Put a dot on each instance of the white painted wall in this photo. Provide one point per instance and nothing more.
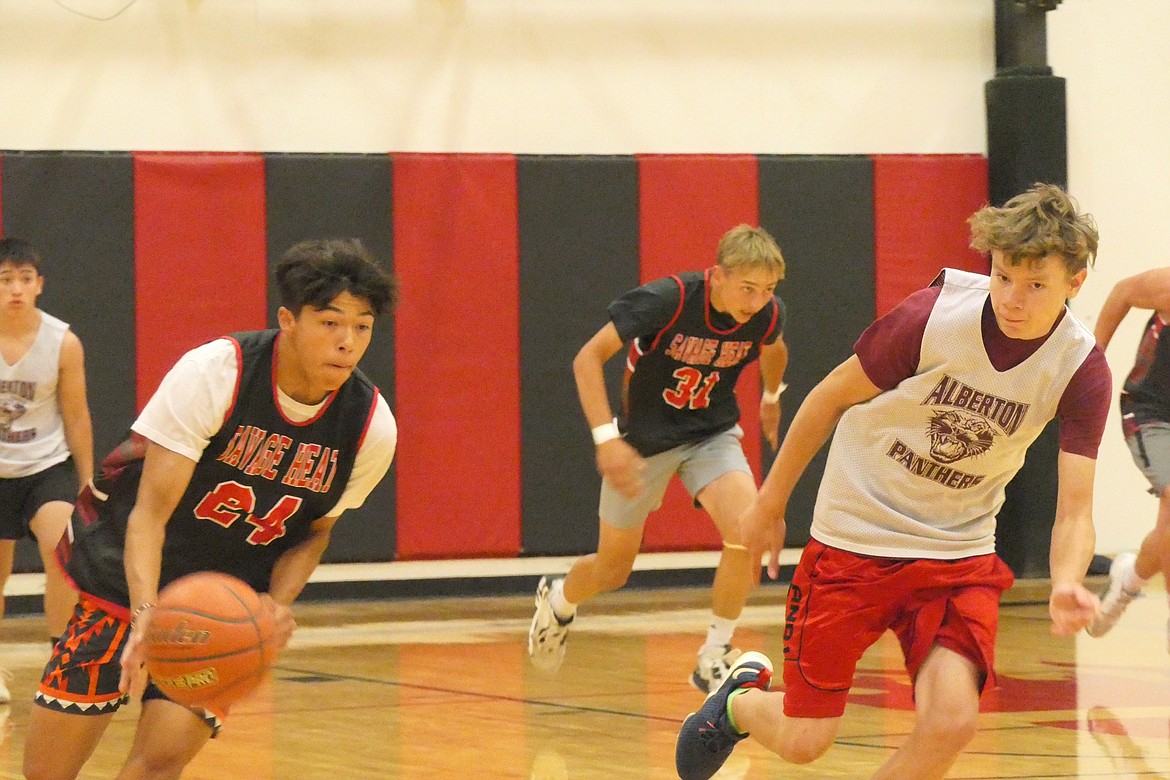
(591, 76)
(607, 77)
(1115, 56)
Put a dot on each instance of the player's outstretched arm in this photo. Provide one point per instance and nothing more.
(165, 476)
(616, 460)
(773, 364)
(846, 386)
(1148, 290)
(74, 407)
(1071, 605)
(292, 571)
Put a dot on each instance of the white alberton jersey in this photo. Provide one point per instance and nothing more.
(919, 471)
(32, 434)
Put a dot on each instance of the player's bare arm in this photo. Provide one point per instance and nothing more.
(74, 406)
(1071, 605)
(165, 476)
(617, 461)
(1148, 290)
(846, 386)
(292, 572)
(773, 364)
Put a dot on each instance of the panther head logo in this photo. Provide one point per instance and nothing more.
(955, 435)
(11, 410)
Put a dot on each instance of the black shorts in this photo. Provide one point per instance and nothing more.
(82, 675)
(22, 497)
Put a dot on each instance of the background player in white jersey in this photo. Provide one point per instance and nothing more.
(46, 436)
(691, 335)
(930, 418)
(1145, 422)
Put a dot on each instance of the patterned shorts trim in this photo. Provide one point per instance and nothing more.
(82, 675)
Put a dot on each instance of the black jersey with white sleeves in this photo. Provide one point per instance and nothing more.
(684, 360)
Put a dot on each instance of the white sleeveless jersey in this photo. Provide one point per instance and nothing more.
(32, 434)
(919, 471)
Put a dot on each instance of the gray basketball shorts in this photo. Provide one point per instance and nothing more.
(1150, 448)
(697, 465)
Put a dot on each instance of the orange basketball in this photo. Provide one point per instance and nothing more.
(210, 639)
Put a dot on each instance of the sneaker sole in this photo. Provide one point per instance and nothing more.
(1122, 565)
(749, 657)
(698, 683)
(541, 588)
(546, 662)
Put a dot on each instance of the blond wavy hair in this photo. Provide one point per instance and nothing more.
(1042, 221)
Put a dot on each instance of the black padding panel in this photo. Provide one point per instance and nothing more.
(820, 209)
(578, 251)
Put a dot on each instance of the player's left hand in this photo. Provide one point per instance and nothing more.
(770, 422)
(1072, 607)
(134, 677)
(763, 533)
(283, 617)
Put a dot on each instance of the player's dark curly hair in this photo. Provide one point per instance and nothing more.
(19, 252)
(314, 272)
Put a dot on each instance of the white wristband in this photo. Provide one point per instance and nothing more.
(772, 396)
(604, 433)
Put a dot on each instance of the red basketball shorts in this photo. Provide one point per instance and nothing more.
(840, 603)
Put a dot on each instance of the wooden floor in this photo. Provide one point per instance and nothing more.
(442, 689)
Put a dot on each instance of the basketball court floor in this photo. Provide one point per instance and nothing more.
(443, 689)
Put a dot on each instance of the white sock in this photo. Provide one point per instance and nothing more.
(562, 607)
(720, 631)
(1133, 582)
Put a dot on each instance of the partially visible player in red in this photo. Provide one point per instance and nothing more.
(929, 419)
(242, 461)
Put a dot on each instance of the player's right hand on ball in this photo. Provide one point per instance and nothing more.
(622, 466)
(282, 616)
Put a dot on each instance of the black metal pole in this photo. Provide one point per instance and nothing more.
(1026, 143)
(1027, 137)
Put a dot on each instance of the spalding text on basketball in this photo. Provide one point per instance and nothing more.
(179, 635)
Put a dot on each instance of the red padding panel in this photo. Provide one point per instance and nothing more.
(457, 361)
(686, 203)
(921, 205)
(200, 260)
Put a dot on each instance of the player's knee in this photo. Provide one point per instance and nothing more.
(157, 763)
(612, 576)
(805, 748)
(38, 766)
(952, 731)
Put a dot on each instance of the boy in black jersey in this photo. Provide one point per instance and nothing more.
(241, 462)
(1145, 420)
(691, 335)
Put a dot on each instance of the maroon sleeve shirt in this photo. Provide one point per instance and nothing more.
(890, 348)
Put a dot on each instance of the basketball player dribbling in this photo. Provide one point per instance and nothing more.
(242, 461)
